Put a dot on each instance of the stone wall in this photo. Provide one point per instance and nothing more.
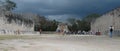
(103, 23)
(15, 25)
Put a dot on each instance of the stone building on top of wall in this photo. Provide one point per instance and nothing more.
(62, 28)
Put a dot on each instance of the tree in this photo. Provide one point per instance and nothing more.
(85, 24)
(7, 5)
(73, 25)
(78, 25)
(50, 25)
(71, 20)
(10, 5)
(91, 17)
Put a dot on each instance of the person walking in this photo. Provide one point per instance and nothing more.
(111, 31)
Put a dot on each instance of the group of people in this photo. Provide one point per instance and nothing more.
(111, 28)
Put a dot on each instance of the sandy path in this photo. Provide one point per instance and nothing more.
(62, 43)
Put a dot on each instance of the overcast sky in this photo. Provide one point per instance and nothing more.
(62, 9)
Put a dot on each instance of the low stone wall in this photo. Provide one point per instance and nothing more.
(25, 32)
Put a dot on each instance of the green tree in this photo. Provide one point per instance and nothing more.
(73, 25)
(9, 5)
(50, 25)
(91, 17)
(79, 25)
(71, 20)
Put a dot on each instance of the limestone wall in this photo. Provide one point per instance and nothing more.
(14, 26)
(103, 23)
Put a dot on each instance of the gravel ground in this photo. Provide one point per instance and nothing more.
(62, 43)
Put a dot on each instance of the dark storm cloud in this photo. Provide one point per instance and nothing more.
(78, 8)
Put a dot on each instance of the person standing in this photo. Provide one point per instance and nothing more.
(111, 31)
(40, 31)
(4, 31)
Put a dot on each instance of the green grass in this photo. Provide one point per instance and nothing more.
(7, 48)
(25, 46)
(8, 37)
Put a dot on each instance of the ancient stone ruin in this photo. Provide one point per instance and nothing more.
(62, 28)
(103, 23)
(11, 23)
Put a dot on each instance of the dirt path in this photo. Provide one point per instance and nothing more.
(62, 43)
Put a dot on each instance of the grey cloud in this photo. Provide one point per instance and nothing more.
(66, 7)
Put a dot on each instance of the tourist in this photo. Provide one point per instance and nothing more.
(84, 32)
(18, 31)
(58, 31)
(4, 31)
(40, 31)
(79, 32)
(111, 31)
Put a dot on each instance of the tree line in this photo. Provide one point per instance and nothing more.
(41, 22)
(82, 24)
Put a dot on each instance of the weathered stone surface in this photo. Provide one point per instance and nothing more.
(62, 27)
(103, 23)
(15, 25)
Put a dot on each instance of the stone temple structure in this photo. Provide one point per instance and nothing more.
(14, 25)
(103, 23)
(62, 28)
